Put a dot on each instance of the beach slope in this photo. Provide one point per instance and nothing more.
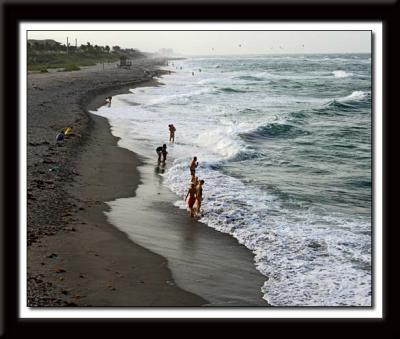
(75, 257)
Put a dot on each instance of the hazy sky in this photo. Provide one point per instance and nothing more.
(223, 42)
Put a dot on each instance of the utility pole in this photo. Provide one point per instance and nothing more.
(67, 45)
(76, 43)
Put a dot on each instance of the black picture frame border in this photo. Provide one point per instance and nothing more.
(15, 13)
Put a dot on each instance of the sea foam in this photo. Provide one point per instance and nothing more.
(310, 254)
(341, 74)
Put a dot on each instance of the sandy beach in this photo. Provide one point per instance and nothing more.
(76, 257)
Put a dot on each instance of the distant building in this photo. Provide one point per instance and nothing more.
(124, 62)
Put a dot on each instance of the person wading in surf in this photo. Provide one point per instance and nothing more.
(199, 195)
(192, 198)
(195, 180)
(194, 163)
(172, 130)
(164, 152)
(159, 151)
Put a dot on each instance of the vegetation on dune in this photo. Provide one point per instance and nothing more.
(46, 54)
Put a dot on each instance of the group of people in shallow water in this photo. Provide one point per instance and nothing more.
(195, 192)
(162, 150)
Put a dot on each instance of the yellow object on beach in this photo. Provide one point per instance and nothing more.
(68, 130)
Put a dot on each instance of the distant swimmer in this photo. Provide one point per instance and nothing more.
(162, 151)
(172, 130)
(193, 165)
(181, 67)
(192, 198)
(199, 195)
(199, 69)
(192, 73)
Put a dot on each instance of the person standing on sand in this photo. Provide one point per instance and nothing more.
(193, 166)
(192, 198)
(172, 130)
(199, 195)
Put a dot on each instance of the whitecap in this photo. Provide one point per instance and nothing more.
(341, 74)
(354, 96)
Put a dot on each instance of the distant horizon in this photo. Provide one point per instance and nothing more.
(221, 42)
(182, 55)
(216, 54)
(249, 54)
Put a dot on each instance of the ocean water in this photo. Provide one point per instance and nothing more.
(284, 146)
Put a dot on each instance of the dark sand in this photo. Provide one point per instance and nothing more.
(102, 266)
(75, 257)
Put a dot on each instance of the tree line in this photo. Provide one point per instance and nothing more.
(54, 47)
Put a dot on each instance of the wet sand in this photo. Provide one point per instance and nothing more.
(208, 263)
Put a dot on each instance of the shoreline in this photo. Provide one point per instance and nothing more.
(87, 261)
(203, 261)
(189, 246)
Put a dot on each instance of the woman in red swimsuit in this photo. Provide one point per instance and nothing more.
(192, 198)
